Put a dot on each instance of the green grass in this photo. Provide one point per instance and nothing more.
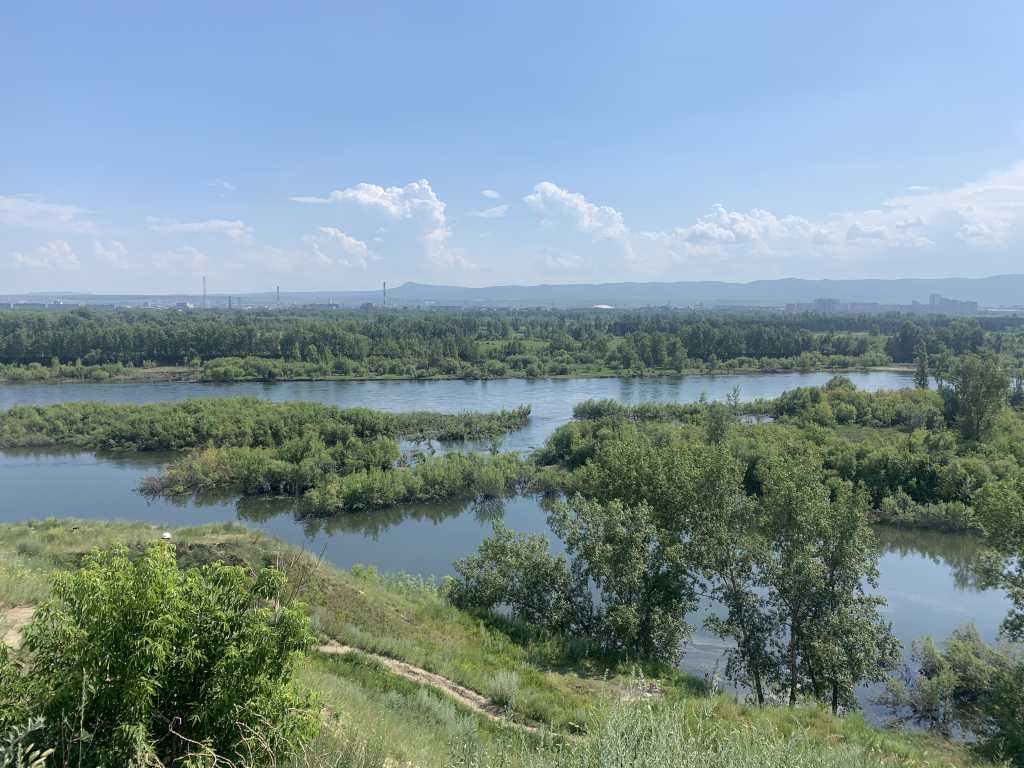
(375, 718)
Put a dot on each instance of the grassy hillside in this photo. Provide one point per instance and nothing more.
(588, 710)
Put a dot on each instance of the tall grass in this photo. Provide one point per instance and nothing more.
(20, 584)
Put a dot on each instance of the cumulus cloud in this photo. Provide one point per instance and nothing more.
(497, 212)
(986, 214)
(232, 228)
(982, 213)
(552, 201)
(33, 212)
(56, 255)
(332, 246)
(416, 205)
(113, 253)
(490, 194)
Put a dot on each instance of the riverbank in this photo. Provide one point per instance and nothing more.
(106, 374)
(578, 699)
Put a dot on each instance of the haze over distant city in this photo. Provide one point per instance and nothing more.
(331, 148)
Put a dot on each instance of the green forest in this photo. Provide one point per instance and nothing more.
(229, 346)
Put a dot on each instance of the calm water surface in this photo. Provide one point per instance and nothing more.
(552, 399)
(927, 579)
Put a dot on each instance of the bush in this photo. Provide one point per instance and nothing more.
(503, 688)
(133, 662)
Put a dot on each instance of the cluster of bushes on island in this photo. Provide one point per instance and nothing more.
(234, 422)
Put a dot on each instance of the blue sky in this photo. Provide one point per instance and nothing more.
(335, 145)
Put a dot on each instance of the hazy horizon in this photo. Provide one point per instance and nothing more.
(196, 290)
(323, 148)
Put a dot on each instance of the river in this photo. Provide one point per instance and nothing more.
(925, 578)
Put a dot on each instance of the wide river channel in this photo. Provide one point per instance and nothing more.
(926, 578)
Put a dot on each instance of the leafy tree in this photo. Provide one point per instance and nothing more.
(732, 570)
(921, 370)
(981, 387)
(640, 569)
(516, 571)
(139, 661)
(1000, 508)
(821, 557)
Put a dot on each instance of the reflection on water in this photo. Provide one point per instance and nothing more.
(957, 554)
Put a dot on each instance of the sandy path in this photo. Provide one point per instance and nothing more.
(464, 696)
(12, 621)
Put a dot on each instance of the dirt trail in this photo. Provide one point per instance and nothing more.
(464, 696)
(12, 621)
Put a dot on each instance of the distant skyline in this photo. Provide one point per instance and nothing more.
(330, 147)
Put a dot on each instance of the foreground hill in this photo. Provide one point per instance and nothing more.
(405, 679)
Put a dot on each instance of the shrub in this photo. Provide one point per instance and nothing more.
(503, 688)
(139, 661)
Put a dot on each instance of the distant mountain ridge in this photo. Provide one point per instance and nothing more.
(995, 291)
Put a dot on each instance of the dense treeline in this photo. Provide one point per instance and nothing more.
(268, 345)
(240, 422)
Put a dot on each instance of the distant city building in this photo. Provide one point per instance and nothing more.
(602, 306)
(937, 305)
(952, 306)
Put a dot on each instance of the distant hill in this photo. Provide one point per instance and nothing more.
(996, 291)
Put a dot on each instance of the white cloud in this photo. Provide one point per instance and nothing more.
(723, 243)
(232, 228)
(225, 185)
(982, 213)
(113, 253)
(416, 204)
(397, 202)
(552, 201)
(56, 255)
(497, 212)
(756, 228)
(332, 246)
(34, 212)
(490, 194)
